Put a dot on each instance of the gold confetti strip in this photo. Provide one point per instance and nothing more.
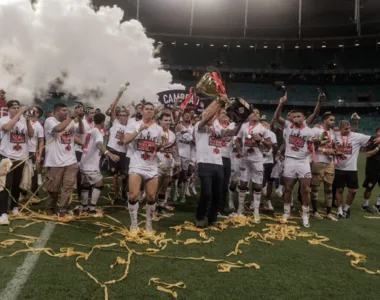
(167, 287)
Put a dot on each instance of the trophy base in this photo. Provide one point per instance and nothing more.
(238, 110)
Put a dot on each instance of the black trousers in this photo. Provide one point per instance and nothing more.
(12, 184)
(226, 180)
(211, 178)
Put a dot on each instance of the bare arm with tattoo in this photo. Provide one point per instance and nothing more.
(104, 150)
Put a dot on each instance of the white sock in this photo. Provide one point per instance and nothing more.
(39, 179)
(346, 207)
(231, 199)
(340, 210)
(167, 194)
(366, 202)
(95, 196)
(256, 201)
(150, 209)
(176, 186)
(305, 210)
(287, 208)
(241, 198)
(291, 201)
(378, 201)
(133, 209)
(281, 187)
(84, 197)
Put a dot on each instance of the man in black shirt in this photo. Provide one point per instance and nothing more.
(372, 175)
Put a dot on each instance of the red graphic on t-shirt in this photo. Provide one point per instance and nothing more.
(297, 141)
(215, 141)
(17, 136)
(344, 149)
(146, 145)
(226, 141)
(87, 140)
(66, 138)
(120, 137)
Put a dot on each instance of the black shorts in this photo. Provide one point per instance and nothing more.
(371, 178)
(268, 172)
(119, 167)
(347, 179)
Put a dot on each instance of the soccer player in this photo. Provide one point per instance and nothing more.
(250, 142)
(92, 179)
(169, 160)
(146, 139)
(268, 154)
(234, 178)
(184, 133)
(297, 136)
(61, 162)
(372, 175)
(16, 130)
(347, 145)
(88, 124)
(323, 167)
(35, 148)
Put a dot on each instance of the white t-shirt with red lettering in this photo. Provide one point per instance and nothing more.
(350, 146)
(320, 157)
(184, 140)
(143, 148)
(268, 152)
(297, 140)
(60, 150)
(116, 139)
(87, 127)
(14, 143)
(165, 155)
(38, 133)
(208, 141)
(252, 150)
(91, 154)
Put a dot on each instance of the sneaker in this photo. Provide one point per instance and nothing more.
(214, 224)
(347, 214)
(256, 218)
(183, 199)
(4, 219)
(187, 191)
(133, 229)
(332, 217)
(376, 208)
(316, 215)
(200, 224)
(92, 211)
(233, 215)
(15, 211)
(222, 216)
(305, 221)
(340, 217)
(284, 218)
(367, 209)
(268, 206)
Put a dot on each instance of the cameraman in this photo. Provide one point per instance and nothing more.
(16, 130)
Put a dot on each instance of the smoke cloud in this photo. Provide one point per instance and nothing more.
(92, 52)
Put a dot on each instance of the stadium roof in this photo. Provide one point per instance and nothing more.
(262, 20)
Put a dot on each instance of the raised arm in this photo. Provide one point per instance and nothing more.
(129, 137)
(211, 110)
(277, 114)
(29, 127)
(113, 105)
(310, 120)
(61, 126)
(9, 126)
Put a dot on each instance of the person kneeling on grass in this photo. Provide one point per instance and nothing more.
(91, 177)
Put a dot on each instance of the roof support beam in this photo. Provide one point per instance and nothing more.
(357, 17)
(191, 18)
(246, 18)
(299, 19)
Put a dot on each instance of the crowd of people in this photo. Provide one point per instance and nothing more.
(155, 153)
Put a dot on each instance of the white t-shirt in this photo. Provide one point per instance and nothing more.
(165, 155)
(38, 133)
(14, 143)
(129, 146)
(208, 144)
(87, 127)
(227, 140)
(235, 158)
(350, 146)
(143, 150)
(268, 152)
(252, 150)
(297, 140)
(184, 140)
(91, 154)
(116, 138)
(320, 157)
(60, 150)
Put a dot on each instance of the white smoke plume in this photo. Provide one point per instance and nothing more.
(94, 51)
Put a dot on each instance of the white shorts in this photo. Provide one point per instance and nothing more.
(277, 170)
(253, 170)
(89, 178)
(146, 175)
(235, 173)
(297, 168)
